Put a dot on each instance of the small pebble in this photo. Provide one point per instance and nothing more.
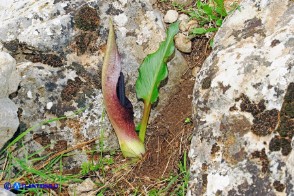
(171, 16)
(192, 24)
(29, 94)
(184, 19)
(195, 71)
(49, 105)
(79, 189)
(183, 43)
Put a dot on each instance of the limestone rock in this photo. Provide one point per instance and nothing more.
(171, 16)
(5, 192)
(8, 120)
(191, 25)
(9, 80)
(87, 187)
(195, 71)
(183, 43)
(243, 105)
(59, 47)
(184, 19)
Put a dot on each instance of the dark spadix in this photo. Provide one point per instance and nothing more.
(119, 109)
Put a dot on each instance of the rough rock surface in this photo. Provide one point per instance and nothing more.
(244, 103)
(4, 192)
(171, 16)
(183, 43)
(59, 48)
(9, 80)
(184, 19)
(86, 188)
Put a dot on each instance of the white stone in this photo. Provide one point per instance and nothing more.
(49, 105)
(8, 76)
(29, 94)
(121, 20)
(184, 19)
(82, 189)
(8, 120)
(4, 192)
(9, 80)
(216, 182)
(191, 25)
(171, 16)
(195, 71)
(183, 43)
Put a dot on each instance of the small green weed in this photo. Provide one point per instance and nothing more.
(90, 166)
(176, 184)
(209, 14)
(25, 172)
(188, 120)
(103, 161)
(18, 165)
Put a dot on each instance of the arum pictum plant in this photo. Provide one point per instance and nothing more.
(119, 109)
(151, 72)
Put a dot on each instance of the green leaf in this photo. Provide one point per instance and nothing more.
(151, 72)
(199, 4)
(201, 31)
(220, 8)
(211, 42)
(207, 9)
(212, 29)
(198, 31)
(154, 68)
(219, 22)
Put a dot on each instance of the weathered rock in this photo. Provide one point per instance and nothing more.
(60, 62)
(191, 25)
(243, 105)
(4, 192)
(9, 77)
(195, 71)
(183, 43)
(47, 27)
(171, 16)
(87, 187)
(8, 120)
(9, 80)
(184, 19)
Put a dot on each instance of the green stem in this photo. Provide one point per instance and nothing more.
(144, 121)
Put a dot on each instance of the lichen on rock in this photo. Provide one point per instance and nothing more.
(243, 107)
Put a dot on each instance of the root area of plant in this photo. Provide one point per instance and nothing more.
(167, 141)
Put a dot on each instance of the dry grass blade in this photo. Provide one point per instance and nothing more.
(65, 151)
